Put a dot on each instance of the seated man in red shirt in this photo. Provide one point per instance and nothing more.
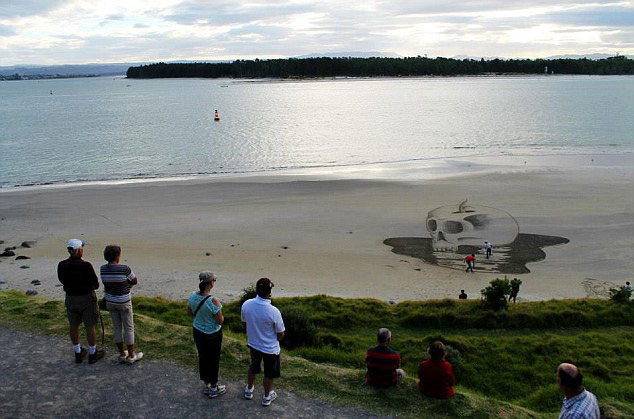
(435, 374)
(383, 363)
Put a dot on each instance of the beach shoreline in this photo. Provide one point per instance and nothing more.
(321, 231)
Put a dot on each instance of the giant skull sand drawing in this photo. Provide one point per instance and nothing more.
(462, 229)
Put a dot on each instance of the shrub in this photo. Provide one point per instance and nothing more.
(328, 339)
(620, 294)
(300, 331)
(496, 294)
(248, 293)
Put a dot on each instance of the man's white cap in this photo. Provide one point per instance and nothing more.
(75, 244)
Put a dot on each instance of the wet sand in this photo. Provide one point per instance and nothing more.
(323, 231)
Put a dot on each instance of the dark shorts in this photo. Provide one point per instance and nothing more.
(271, 363)
(82, 308)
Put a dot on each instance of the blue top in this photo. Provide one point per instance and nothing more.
(204, 321)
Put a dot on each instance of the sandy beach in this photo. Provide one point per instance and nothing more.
(321, 231)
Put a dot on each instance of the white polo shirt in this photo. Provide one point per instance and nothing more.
(264, 322)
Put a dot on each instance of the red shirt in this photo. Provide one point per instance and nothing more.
(469, 258)
(436, 379)
(382, 363)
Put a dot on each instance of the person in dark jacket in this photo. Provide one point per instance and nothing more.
(80, 282)
(435, 374)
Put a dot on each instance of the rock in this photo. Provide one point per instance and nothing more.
(284, 247)
(10, 248)
(28, 243)
(36, 282)
(418, 269)
(3, 282)
(1, 241)
(31, 292)
(24, 267)
(207, 254)
(7, 253)
(22, 257)
(391, 302)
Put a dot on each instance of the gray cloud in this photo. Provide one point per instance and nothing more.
(6, 30)
(22, 8)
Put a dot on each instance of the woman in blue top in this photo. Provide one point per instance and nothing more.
(207, 313)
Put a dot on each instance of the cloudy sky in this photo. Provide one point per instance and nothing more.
(92, 31)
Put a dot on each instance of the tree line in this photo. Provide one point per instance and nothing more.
(377, 67)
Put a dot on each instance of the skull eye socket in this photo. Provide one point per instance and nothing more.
(432, 225)
(453, 227)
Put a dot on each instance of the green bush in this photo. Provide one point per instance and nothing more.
(620, 294)
(300, 331)
(248, 293)
(496, 294)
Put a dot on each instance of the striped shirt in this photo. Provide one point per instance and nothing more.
(382, 363)
(582, 406)
(116, 283)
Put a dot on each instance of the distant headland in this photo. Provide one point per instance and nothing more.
(382, 67)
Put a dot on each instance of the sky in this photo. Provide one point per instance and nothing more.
(96, 31)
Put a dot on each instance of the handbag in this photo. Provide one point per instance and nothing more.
(102, 304)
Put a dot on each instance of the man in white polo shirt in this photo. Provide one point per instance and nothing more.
(265, 329)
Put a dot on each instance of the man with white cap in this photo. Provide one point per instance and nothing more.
(80, 282)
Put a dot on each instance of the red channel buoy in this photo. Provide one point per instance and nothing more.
(216, 117)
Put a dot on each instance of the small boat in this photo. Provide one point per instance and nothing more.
(216, 116)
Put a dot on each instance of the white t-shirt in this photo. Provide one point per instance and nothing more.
(264, 322)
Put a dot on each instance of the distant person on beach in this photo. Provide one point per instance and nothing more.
(628, 286)
(436, 377)
(265, 330)
(488, 248)
(208, 319)
(383, 363)
(463, 295)
(117, 280)
(579, 403)
(80, 282)
(470, 261)
(515, 289)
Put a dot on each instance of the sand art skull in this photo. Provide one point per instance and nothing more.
(464, 224)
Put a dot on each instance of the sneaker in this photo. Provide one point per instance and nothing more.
(99, 353)
(248, 393)
(267, 400)
(79, 357)
(123, 357)
(217, 391)
(137, 357)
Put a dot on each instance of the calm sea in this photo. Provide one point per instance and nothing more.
(105, 128)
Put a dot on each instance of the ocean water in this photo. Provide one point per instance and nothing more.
(113, 128)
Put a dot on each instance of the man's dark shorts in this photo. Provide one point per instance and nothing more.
(271, 363)
(82, 308)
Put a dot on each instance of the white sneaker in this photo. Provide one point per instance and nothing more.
(137, 357)
(122, 358)
(217, 391)
(267, 400)
(248, 393)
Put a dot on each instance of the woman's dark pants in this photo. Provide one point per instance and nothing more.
(208, 346)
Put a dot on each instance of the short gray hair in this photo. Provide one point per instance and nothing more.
(384, 335)
(206, 276)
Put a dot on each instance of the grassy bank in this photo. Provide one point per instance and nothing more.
(507, 359)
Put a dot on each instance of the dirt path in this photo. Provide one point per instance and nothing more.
(38, 378)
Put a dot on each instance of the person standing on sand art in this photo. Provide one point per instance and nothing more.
(117, 280)
(265, 330)
(80, 282)
(488, 247)
(463, 295)
(208, 319)
(470, 261)
(515, 289)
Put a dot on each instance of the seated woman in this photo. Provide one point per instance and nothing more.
(435, 374)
